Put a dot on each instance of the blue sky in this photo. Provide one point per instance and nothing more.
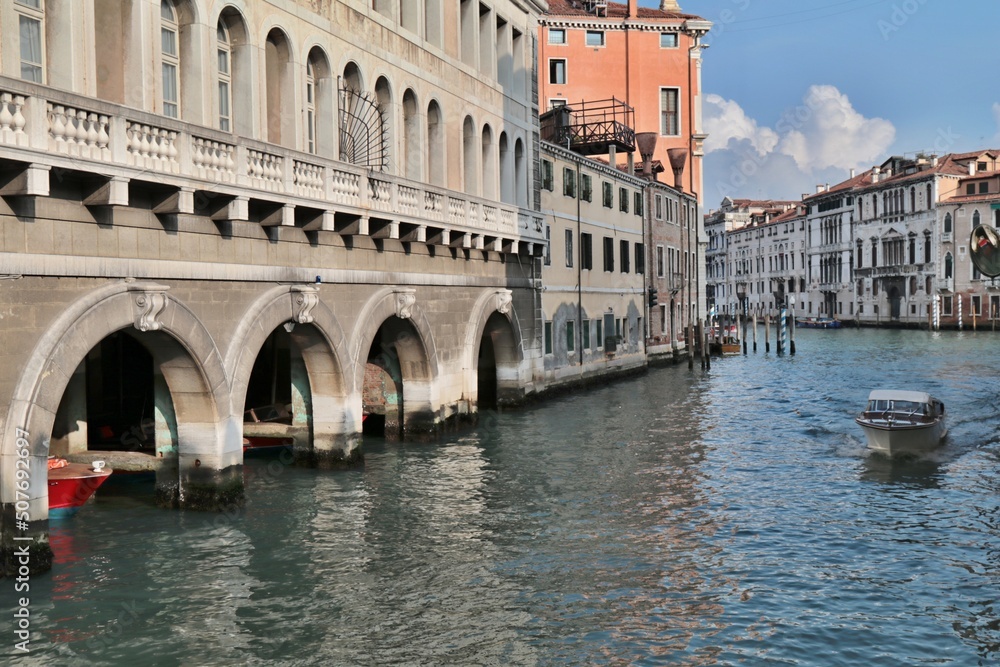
(798, 92)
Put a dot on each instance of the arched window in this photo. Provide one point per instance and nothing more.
(224, 61)
(947, 223)
(874, 206)
(975, 219)
(170, 58)
(927, 248)
(234, 72)
(280, 92)
(469, 157)
(860, 254)
(489, 164)
(948, 261)
(520, 174)
(928, 195)
(913, 248)
(874, 253)
(507, 183)
(319, 113)
(913, 198)
(412, 150)
(435, 145)
(383, 95)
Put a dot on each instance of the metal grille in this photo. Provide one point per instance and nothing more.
(363, 137)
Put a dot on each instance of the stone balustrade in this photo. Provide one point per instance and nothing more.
(51, 129)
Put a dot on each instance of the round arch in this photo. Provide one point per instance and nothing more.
(185, 353)
(493, 314)
(318, 336)
(417, 353)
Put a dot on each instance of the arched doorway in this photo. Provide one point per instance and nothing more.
(118, 406)
(104, 332)
(497, 364)
(288, 380)
(397, 379)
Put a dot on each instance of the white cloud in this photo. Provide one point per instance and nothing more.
(725, 120)
(826, 131)
(816, 142)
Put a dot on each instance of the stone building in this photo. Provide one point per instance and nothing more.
(885, 247)
(967, 298)
(649, 58)
(830, 219)
(725, 268)
(896, 242)
(670, 246)
(207, 206)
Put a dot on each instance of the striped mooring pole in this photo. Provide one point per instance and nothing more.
(783, 336)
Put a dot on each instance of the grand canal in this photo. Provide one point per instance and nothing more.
(686, 517)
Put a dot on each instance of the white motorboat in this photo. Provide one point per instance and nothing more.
(902, 422)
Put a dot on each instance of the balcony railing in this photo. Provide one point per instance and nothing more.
(55, 130)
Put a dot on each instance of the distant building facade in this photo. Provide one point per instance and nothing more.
(725, 267)
(889, 246)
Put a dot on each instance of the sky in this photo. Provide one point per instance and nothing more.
(799, 92)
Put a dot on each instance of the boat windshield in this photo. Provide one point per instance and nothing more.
(905, 407)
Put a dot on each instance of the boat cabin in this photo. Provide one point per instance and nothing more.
(903, 406)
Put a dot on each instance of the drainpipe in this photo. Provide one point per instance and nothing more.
(579, 267)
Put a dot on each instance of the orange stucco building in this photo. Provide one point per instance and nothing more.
(648, 58)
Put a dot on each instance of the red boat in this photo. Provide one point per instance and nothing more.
(264, 443)
(71, 485)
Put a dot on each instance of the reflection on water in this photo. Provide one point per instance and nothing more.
(726, 517)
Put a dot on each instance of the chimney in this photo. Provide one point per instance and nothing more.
(669, 6)
(876, 172)
(633, 9)
(972, 168)
(646, 141)
(819, 189)
(934, 160)
(852, 172)
(678, 156)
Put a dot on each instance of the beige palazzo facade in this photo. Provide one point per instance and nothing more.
(209, 206)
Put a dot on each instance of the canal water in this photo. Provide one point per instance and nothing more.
(686, 517)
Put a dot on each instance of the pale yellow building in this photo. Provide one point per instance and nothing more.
(593, 301)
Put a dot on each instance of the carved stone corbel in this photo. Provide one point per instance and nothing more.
(405, 298)
(148, 303)
(503, 299)
(304, 299)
